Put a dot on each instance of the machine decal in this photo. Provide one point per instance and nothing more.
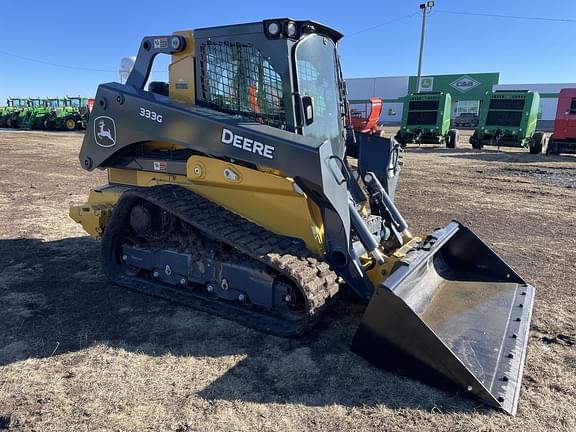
(160, 165)
(246, 144)
(160, 43)
(464, 84)
(105, 131)
(151, 115)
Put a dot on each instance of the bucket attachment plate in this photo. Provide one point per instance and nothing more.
(453, 314)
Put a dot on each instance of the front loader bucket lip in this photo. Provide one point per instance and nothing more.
(484, 359)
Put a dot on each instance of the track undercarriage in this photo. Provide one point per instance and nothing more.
(169, 242)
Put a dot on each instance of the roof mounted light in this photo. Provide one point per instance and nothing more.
(291, 29)
(274, 29)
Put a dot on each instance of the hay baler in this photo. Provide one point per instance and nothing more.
(508, 119)
(426, 120)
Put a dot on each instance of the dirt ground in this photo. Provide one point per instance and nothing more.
(77, 353)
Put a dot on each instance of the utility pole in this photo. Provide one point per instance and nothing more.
(424, 7)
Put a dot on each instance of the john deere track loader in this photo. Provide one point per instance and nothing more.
(229, 191)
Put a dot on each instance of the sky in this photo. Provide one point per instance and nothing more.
(38, 38)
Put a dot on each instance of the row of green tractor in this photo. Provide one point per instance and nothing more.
(65, 114)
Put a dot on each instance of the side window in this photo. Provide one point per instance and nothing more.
(573, 106)
(316, 71)
(237, 79)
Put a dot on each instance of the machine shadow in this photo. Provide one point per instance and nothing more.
(55, 300)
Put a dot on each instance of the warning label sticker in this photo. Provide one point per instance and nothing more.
(160, 165)
(160, 43)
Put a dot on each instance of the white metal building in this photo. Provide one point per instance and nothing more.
(390, 89)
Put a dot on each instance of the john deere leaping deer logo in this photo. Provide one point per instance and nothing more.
(105, 131)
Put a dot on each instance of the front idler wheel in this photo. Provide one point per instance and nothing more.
(288, 300)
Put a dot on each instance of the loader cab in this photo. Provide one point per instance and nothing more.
(280, 72)
(37, 103)
(54, 103)
(75, 102)
(17, 102)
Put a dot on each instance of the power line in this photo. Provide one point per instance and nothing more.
(381, 24)
(55, 64)
(115, 71)
(450, 12)
(518, 17)
(62, 65)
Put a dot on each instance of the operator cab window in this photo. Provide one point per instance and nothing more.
(317, 78)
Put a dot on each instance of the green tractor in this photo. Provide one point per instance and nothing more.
(426, 120)
(3, 112)
(11, 110)
(71, 114)
(36, 114)
(508, 119)
(84, 105)
(56, 106)
(17, 117)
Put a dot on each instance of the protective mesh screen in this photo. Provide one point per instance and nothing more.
(511, 104)
(422, 118)
(504, 118)
(236, 79)
(424, 105)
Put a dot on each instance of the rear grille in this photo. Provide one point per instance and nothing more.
(424, 105)
(504, 118)
(507, 104)
(422, 118)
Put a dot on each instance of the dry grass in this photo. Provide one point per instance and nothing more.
(78, 354)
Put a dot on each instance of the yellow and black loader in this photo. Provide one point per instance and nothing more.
(229, 190)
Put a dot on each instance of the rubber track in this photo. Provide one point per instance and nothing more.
(283, 254)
